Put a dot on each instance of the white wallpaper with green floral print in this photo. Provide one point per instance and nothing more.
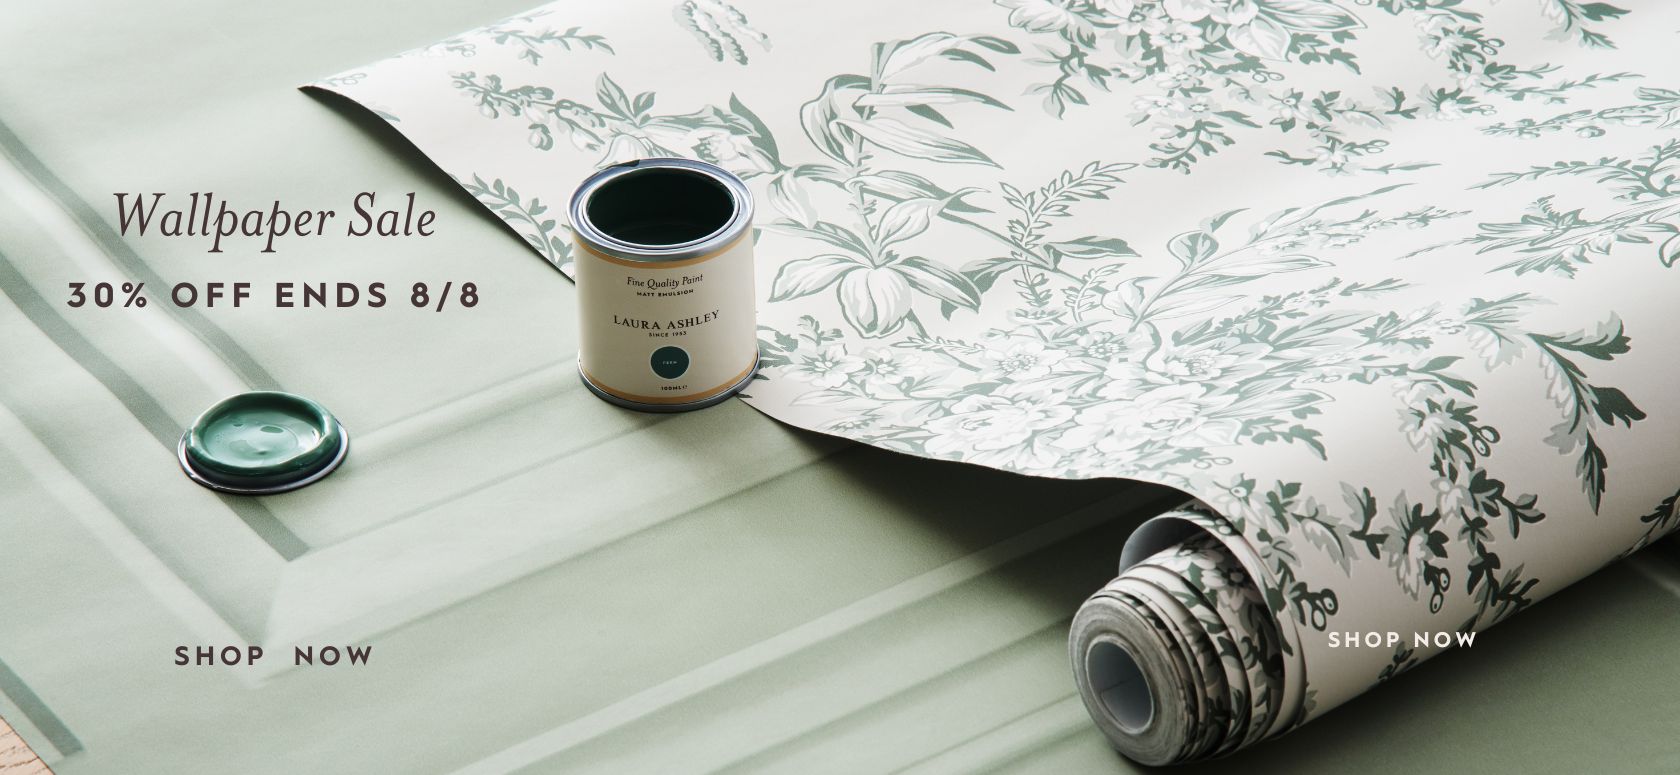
(1384, 283)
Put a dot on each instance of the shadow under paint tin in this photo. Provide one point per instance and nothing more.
(666, 307)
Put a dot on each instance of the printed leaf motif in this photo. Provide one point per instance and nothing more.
(805, 276)
(898, 96)
(613, 98)
(1669, 252)
(1091, 247)
(899, 137)
(821, 117)
(790, 199)
(940, 282)
(1193, 247)
(1263, 37)
(1309, 15)
(901, 56)
(906, 219)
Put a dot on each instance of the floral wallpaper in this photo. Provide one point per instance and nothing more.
(1378, 282)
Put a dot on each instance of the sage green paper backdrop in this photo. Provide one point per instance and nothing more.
(748, 598)
(1383, 283)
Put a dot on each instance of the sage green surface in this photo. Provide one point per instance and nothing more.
(551, 584)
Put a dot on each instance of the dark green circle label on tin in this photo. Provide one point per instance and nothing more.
(670, 362)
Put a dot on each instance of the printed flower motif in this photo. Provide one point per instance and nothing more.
(1426, 423)
(1139, 19)
(540, 138)
(1542, 225)
(1290, 107)
(580, 125)
(1450, 110)
(1303, 303)
(1476, 81)
(1102, 346)
(1417, 392)
(1179, 76)
(1235, 498)
(1432, 24)
(1215, 363)
(886, 370)
(1231, 12)
(875, 300)
(628, 147)
(999, 430)
(830, 368)
(1044, 15)
(1446, 325)
(1160, 106)
(1019, 360)
(1452, 497)
(1456, 106)
(1120, 8)
(1414, 545)
(629, 141)
(1438, 38)
(1204, 362)
(1179, 39)
(1177, 416)
(731, 151)
(1333, 157)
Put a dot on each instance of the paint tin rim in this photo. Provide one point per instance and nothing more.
(592, 237)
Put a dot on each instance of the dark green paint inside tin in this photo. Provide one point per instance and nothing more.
(661, 207)
(263, 440)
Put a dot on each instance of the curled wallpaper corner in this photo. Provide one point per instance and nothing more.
(1380, 284)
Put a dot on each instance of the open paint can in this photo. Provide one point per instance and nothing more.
(664, 271)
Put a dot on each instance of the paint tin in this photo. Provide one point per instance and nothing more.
(666, 310)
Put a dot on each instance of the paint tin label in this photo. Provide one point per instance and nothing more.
(665, 280)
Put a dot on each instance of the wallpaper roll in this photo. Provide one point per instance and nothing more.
(1385, 285)
(1178, 658)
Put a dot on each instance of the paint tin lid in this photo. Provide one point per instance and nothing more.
(262, 442)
